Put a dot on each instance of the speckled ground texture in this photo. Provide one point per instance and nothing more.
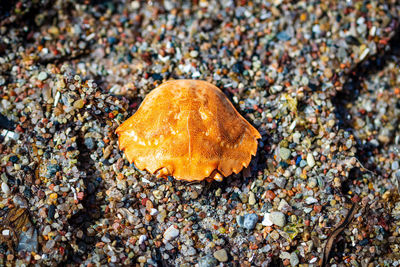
(320, 80)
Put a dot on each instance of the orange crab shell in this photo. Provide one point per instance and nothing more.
(188, 129)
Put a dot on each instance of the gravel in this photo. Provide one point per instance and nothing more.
(323, 91)
(221, 255)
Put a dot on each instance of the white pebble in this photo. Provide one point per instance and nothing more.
(8, 135)
(153, 212)
(296, 137)
(266, 221)
(311, 200)
(191, 251)
(171, 233)
(294, 259)
(5, 188)
(142, 238)
(42, 76)
(168, 246)
(135, 5)
(395, 165)
(310, 160)
(276, 88)
(105, 239)
(6, 232)
(194, 53)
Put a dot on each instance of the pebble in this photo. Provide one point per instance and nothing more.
(270, 195)
(28, 240)
(78, 104)
(395, 165)
(296, 137)
(349, 143)
(252, 198)
(5, 232)
(277, 218)
(171, 233)
(107, 151)
(283, 205)
(153, 212)
(218, 192)
(312, 182)
(142, 259)
(52, 211)
(240, 220)
(310, 160)
(142, 238)
(42, 76)
(284, 255)
(303, 163)
(194, 195)
(274, 235)
(158, 194)
(250, 221)
(311, 200)
(267, 220)
(284, 153)
(208, 261)
(105, 239)
(194, 53)
(5, 188)
(261, 83)
(46, 230)
(280, 182)
(294, 259)
(50, 244)
(328, 73)
(191, 251)
(221, 255)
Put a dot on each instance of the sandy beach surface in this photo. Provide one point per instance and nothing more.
(320, 81)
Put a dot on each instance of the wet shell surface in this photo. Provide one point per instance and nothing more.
(188, 129)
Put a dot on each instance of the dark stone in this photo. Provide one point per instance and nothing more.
(52, 211)
(209, 236)
(26, 168)
(157, 77)
(14, 159)
(238, 67)
(6, 123)
(82, 247)
(235, 196)
(91, 188)
(3, 248)
(112, 40)
(261, 83)
(351, 40)
(27, 192)
(52, 169)
(313, 86)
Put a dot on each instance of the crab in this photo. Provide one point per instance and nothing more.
(188, 129)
